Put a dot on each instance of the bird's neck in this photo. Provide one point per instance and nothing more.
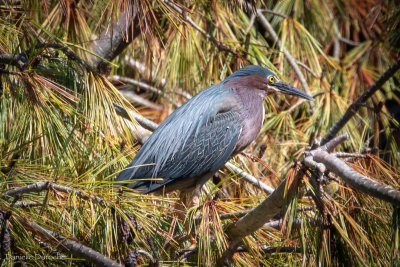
(251, 113)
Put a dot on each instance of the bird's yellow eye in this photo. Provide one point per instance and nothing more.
(271, 79)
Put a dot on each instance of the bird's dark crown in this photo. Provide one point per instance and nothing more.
(251, 70)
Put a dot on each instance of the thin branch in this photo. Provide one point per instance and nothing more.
(268, 249)
(301, 64)
(42, 186)
(22, 62)
(349, 155)
(355, 106)
(30, 204)
(70, 246)
(68, 52)
(145, 123)
(147, 254)
(226, 216)
(301, 101)
(250, 178)
(135, 98)
(273, 13)
(140, 67)
(349, 42)
(329, 146)
(143, 86)
(218, 44)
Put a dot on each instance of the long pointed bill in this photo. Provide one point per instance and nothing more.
(290, 90)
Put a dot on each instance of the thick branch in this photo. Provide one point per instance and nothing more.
(71, 246)
(355, 179)
(113, 40)
(19, 61)
(355, 106)
(258, 216)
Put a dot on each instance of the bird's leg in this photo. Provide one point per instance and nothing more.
(190, 198)
(185, 202)
(196, 196)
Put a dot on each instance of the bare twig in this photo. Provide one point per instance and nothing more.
(349, 155)
(273, 13)
(143, 86)
(41, 186)
(70, 246)
(355, 106)
(145, 123)
(349, 42)
(250, 178)
(225, 216)
(135, 98)
(147, 254)
(142, 69)
(268, 249)
(301, 64)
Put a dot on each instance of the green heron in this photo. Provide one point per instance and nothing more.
(203, 134)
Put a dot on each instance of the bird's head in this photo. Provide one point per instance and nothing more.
(265, 79)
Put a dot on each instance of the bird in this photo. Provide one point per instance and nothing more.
(199, 137)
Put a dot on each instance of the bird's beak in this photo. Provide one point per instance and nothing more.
(290, 90)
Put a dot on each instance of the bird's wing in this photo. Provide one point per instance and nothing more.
(194, 140)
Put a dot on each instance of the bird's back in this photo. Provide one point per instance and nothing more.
(197, 138)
